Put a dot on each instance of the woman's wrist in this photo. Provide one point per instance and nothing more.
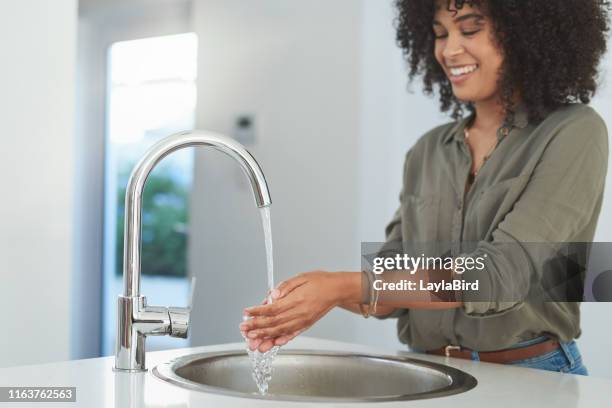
(347, 287)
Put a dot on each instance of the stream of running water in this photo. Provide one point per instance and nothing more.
(262, 362)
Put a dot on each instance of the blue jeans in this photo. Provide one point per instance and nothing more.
(566, 359)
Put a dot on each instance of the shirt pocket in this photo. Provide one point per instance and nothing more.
(420, 218)
(494, 202)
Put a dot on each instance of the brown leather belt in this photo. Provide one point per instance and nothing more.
(500, 356)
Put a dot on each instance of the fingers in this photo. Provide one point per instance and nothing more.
(275, 321)
(266, 345)
(280, 330)
(254, 343)
(274, 294)
(282, 340)
(250, 322)
(263, 345)
(271, 309)
(278, 294)
(290, 284)
(262, 322)
(263, 310)
(246, 318)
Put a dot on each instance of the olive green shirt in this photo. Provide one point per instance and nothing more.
(543, 182)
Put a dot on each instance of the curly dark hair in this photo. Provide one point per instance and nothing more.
(551, 48)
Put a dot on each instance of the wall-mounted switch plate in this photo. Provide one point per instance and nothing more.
(244, 129)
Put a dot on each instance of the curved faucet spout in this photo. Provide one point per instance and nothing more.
(135, 318)
(138, 178)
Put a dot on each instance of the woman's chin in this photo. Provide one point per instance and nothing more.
(474, 94)
(465, 95)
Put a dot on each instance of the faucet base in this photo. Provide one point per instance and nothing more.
(135, 321)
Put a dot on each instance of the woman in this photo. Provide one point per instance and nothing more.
(528, 164)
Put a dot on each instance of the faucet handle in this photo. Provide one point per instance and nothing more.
(180, 317)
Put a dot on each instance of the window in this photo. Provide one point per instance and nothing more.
(151, 95)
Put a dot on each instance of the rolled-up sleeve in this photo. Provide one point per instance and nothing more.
(560, 198)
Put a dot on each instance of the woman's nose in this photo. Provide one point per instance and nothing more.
(453, 47)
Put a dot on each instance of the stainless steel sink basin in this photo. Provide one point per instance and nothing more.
(301, 375)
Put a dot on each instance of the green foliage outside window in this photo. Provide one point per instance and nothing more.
(164, 226)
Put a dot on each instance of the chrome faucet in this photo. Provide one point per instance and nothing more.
(135, 319)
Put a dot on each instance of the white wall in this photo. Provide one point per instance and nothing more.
(278, 60)
(89, 195)
(38, 42)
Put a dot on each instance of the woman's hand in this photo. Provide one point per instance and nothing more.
(297, 304)
(268, 343)
(301, 301)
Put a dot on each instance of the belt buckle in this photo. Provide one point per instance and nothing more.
(450, 347)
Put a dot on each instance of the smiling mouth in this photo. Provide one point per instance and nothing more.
(459, 72)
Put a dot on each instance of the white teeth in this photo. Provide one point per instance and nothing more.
(463, 70)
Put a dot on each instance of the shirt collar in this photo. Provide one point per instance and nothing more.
(521, 120)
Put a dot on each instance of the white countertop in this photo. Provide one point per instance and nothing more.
(499, 386)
